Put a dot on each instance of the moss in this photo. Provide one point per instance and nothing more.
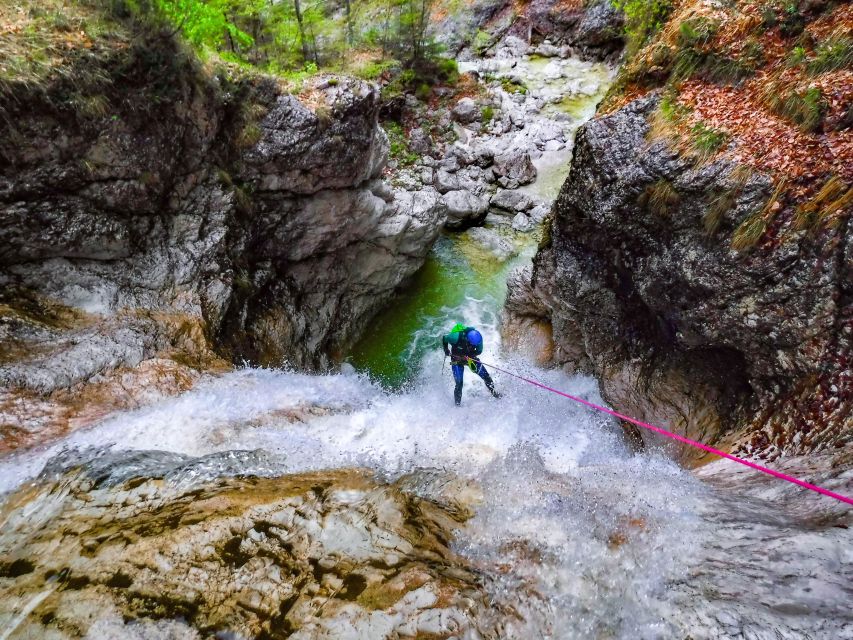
(513, 85)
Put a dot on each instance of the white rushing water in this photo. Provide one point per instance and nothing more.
(558, 483)
(576, 535)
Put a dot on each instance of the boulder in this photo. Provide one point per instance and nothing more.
(466, 111)
(464, 209)
(522, 222)
(445, 181)
(514, 168)
(511, 200)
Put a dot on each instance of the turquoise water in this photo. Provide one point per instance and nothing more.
(460, 282)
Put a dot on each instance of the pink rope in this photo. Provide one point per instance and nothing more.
(675, 436)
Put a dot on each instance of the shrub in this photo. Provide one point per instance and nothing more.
(643, 18)
(487, 114)
(447, 70)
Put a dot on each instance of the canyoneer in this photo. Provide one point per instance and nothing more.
(463, 345)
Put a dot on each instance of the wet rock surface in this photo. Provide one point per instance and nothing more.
(144, 542)
(746, 349)
(204, 220)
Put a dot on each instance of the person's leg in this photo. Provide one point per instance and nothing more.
(490, 385)
(458, 370)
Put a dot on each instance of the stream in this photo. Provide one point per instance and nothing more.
(574, 534)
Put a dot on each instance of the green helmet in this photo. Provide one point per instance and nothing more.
(458, 327)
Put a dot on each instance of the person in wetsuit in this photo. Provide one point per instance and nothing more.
(463, 345)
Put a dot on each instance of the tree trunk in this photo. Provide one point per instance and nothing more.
(350, 37)
(302, 39)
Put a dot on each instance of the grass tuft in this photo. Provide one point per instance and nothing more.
(724, 201)
(751, 230)
(826, 208)
(660, 198)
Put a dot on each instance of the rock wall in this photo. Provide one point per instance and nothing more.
(590, 30)
(159, 202)
(748, 350)
(161, 545)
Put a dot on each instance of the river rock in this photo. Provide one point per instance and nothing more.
(511, 200)
(465, 111)
(514, 168)
(445, 181)
(464, 209)
(522, 222)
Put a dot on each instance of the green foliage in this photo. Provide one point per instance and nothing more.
(805, 108)
(481, 42)
(375, 70)
(832, 54)
(423, 91)
(643, 18)
(706, 140)
(206, 22)
(399, 146)
(792, 22)
(487, 114)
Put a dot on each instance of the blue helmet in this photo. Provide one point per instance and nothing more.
(474, 338)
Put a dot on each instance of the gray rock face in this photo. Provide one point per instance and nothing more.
(465, 111)
(259, 218)
(315, 555)
(464, 209)
(514, 168)
(511, 200)
(297, 143)
(683, 331)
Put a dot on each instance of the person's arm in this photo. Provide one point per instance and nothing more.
(444, 342)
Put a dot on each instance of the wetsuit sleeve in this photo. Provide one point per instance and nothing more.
(445, 340)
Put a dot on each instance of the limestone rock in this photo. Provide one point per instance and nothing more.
(148, 536)
(514, 168)
(522, 222)
(682, 330)
(465, 111)
(511, 200)
(464, 209)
